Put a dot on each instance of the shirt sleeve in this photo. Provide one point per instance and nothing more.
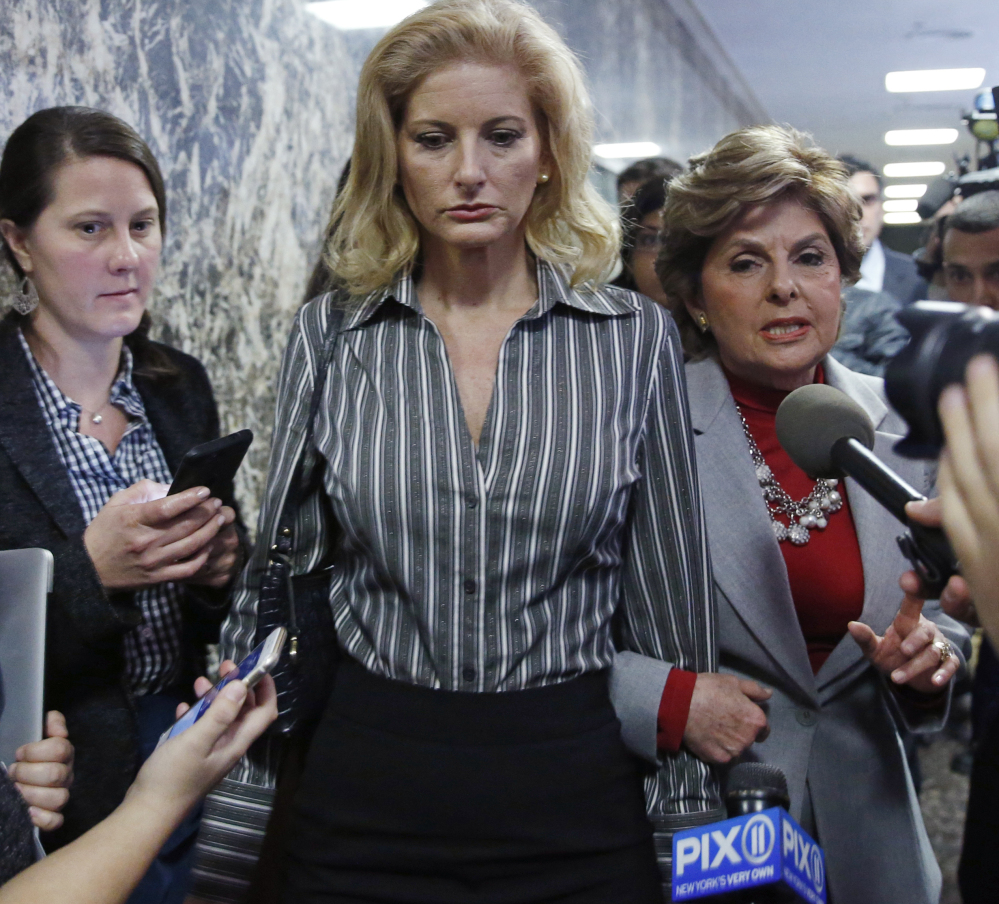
(674, 708)
(667, 603)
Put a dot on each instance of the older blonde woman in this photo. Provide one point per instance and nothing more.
(759, 237)
(490, 416)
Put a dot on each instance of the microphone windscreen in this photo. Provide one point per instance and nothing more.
(810, 421)
(757, 777)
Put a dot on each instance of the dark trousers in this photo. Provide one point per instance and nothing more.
(978, 873)
(418, 796)
(167, 879)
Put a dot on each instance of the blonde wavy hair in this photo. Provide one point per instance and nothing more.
(374, 235)
(755, 165)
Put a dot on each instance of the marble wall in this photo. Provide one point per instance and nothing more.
(656, 72)
(248, 107)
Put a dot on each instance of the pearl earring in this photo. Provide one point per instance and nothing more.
(542, 179)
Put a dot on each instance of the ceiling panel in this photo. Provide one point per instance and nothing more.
(820, 66)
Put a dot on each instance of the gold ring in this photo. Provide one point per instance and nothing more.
(944, 648)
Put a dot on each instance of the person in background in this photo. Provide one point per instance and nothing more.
(760, 235)
(104, 864)
(630, 178)
(968, 510)
(881, 270)
(642, 223)
(967, 493)
(96, 419)
(503, 446)
(971, 251)
(929, 258)
(870, 336)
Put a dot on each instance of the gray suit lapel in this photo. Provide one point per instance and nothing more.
(748, 566)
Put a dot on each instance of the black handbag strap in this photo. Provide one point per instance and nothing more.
(295, 489)
(284, 539)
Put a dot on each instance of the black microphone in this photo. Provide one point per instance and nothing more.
(753, 787)
(759, 855)
(828, 435)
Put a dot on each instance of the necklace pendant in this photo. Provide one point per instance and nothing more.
(96, 419)
(797, 534)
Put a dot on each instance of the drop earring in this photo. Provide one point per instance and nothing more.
(702, 322)
(26, 299)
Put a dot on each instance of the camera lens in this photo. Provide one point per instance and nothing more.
(944, 337)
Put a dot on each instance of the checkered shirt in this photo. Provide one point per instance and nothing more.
(152, 650)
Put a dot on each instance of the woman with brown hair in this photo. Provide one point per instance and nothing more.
(96, 418)
(759, 237)
(491, 413)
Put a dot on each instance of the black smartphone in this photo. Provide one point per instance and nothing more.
(212, 464)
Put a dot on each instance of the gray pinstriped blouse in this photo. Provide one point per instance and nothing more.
(500, 568)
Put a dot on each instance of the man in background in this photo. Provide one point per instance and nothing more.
(971, 251)
(870, 336)
(882, 269)
(628, 180)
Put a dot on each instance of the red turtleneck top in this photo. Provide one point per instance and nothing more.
(826, 574)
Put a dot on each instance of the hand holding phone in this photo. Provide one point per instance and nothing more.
(185, 768)
(212, 464)
(258, 663)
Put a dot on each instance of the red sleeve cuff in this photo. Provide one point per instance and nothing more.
(674, 707)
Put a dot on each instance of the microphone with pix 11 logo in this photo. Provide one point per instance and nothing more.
(759, 856)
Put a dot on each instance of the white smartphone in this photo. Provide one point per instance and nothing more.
(257, 664)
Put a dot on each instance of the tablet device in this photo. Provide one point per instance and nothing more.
(25, 583)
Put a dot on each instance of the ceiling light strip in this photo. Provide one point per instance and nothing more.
(934, 80)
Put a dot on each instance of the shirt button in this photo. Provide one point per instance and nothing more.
(806, 717)
(468, 673)
(146, 631)
(471, 501)
(469, 586)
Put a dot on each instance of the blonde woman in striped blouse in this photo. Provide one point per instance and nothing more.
(504, 450)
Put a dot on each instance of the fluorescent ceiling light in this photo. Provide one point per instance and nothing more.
(900, 137)
(348, 15)
(935, 80)
(901, 206)
(905, 191)
(914, 170)
(902, 219)
(627, 149)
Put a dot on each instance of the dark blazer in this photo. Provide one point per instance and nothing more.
(902, 279)
(84, 649)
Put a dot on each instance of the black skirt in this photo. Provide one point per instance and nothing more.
(419, 796)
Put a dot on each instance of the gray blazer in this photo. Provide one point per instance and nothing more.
(833, 734)
(902, 278)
